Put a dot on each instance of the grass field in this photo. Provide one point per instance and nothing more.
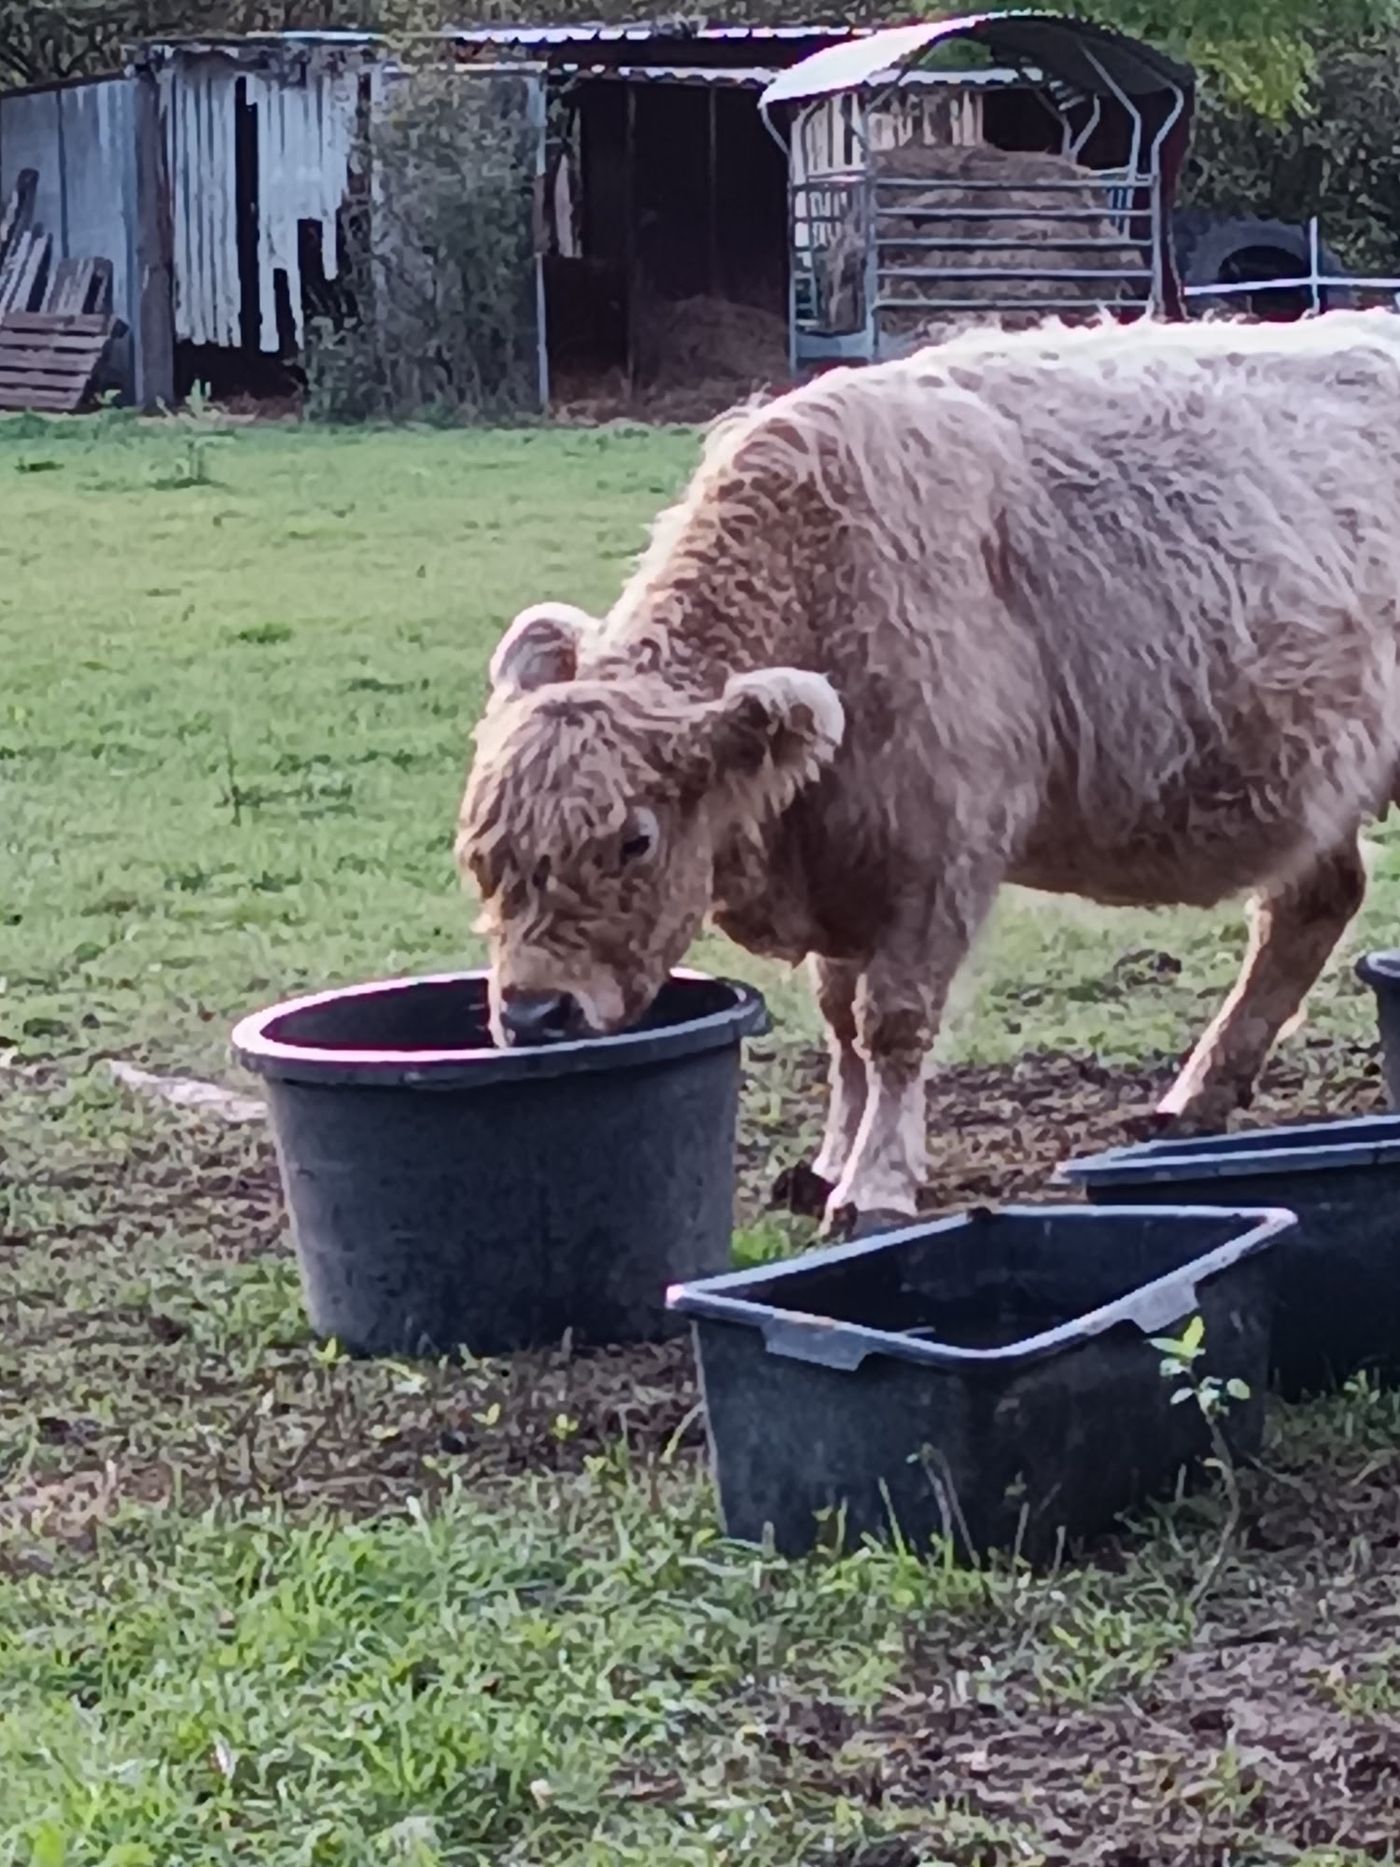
(258, 1604)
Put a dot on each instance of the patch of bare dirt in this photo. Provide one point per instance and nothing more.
(595, 401)
(545, 1412)
(1261, 1742)
(998, 1132)
(1272, 1736)
(150, 1386)
(195, 1176)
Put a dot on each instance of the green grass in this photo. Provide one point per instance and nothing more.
(259, 1604)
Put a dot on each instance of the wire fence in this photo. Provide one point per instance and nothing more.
(1314, 281)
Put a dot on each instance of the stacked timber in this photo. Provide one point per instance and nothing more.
(56, 319)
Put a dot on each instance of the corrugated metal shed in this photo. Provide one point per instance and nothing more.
(305, 135)
(151, 169)
(304, 88)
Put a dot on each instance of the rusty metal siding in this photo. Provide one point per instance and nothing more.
(306, 125)
(197, 117)
(306, 138)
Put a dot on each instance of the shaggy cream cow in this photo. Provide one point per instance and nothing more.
(1109, 612)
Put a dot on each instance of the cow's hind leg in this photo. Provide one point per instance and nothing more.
(1293, 931)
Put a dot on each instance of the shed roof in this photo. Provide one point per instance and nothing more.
(716, 41)
(1096, 59)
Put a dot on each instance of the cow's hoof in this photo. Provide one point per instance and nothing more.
(847, 1223)
(1154, 1126)
(800, 1191)
(1181, 1124)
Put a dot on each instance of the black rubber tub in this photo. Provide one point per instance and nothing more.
(447, 1195)
(986, 1379)
(1381, 971)
(1337, 1277)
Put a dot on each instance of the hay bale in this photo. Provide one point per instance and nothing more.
(1036, 238)
(683, 343)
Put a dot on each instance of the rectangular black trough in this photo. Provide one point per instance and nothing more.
(987, 1378)
(1337, 1277)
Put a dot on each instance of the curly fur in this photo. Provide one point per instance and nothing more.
(1102, 611)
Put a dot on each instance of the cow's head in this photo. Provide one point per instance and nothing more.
(593, 812)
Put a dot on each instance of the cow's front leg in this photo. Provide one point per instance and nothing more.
(835, 983)
(898, 1007)
(1293, 931)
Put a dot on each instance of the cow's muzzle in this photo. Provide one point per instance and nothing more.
(541, 1018)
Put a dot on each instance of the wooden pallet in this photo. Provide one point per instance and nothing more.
(48, 359)
(24, 248)
(17, 213)
(55, 317)
(31, 278)
(79, 285)
(24, 278)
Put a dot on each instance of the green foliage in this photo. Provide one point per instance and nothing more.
(1336, 156)
(42, 39)
(1258, 53)
(441, 249)
(1179, 1357)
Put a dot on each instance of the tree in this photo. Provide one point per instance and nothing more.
(46, 39)
(1338, 157)
(1261, 53)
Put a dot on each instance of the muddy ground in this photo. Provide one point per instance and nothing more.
(1272, 1731)
(996, 1133)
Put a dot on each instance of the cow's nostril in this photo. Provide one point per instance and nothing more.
(539, 1017)
(562, 1018)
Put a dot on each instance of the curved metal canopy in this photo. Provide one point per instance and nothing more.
(1094, 59)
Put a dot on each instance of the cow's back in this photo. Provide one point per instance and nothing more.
(1199, 533)
(1120, 603)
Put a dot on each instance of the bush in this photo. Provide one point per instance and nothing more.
(1259, 53)
(442, 318)
(1337, 156)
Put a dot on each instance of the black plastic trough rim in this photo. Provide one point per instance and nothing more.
(1379, 969)
(484, 1067)
(1340, 1144)
(1152, 1308)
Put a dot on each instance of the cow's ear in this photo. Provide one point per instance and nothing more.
(772, 732)
(539, 648)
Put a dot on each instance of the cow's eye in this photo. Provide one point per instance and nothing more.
(639, 837)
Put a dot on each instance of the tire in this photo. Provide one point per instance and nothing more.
(1210, 248)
